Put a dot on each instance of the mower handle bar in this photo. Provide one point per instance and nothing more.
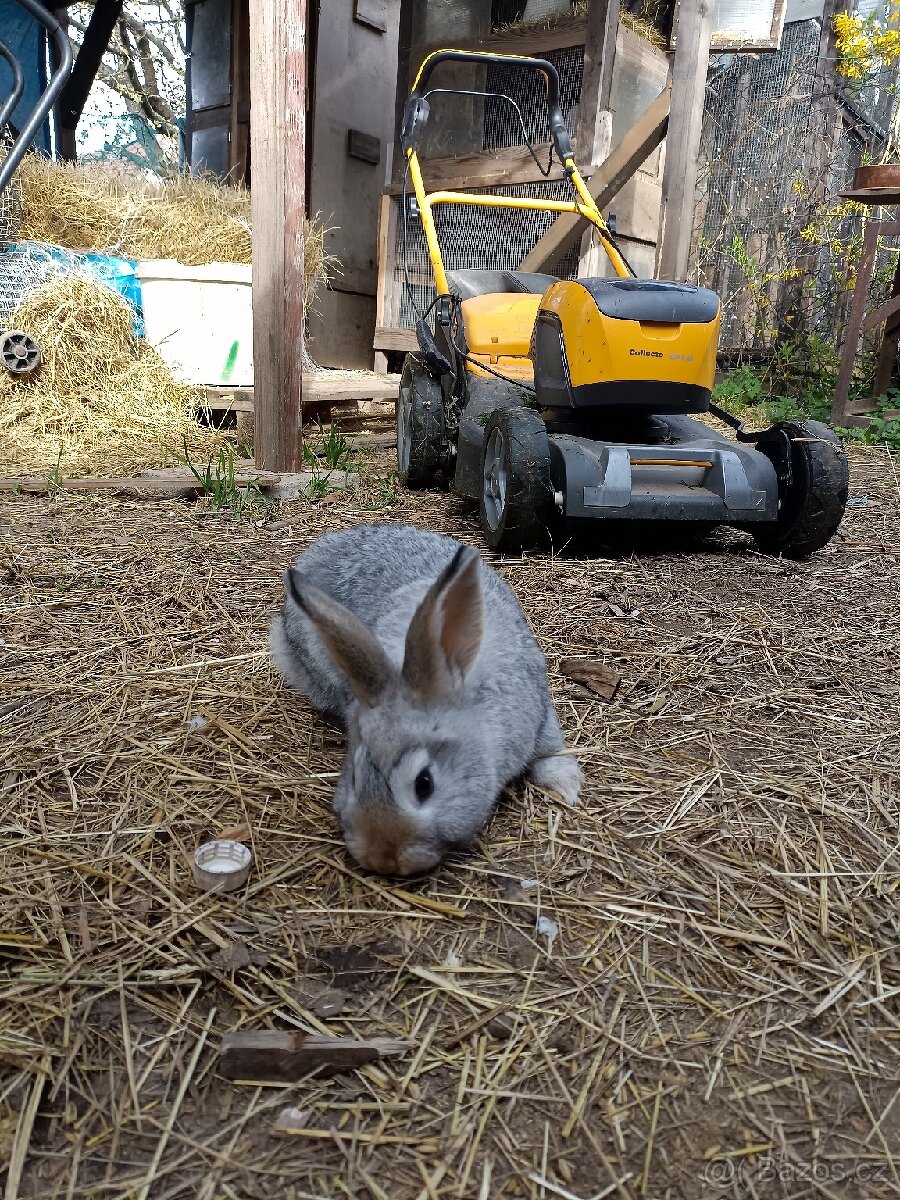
(415, 111)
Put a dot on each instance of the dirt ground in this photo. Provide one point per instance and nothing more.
(686, 987)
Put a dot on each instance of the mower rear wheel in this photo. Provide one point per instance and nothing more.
(811, 504)
(423, 451)
(516, 503)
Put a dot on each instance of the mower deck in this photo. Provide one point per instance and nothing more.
(695, 475)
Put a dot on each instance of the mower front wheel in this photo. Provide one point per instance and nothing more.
(423, 451)
(813, 480)
(516, 502)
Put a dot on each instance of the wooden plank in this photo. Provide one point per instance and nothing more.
(273, 1056)
(484, 169)
(635, 147)
(278, 137)
(162, 484)
(364, 146)
(689, 71)
(315, 391)
(593, 129)
(537, 42)
(395, 339)
(385, 256)
(373, 441)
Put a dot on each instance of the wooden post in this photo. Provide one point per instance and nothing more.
(278, 201)
(689, 70)
(239, 146)
(593, 131)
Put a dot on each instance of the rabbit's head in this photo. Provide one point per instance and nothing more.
(417, 780)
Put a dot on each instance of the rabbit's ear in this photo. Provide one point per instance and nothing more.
(352, 647)
(444, 635)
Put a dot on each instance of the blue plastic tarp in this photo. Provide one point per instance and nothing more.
(27, 40)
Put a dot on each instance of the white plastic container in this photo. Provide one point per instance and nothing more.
(200, 319)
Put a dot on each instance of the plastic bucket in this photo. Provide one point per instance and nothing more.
(200, 320)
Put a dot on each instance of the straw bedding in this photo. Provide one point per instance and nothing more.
(708, 1007)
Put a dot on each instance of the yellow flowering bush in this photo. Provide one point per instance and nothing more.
(865, 45)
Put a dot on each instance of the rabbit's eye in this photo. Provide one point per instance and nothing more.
(424, 784)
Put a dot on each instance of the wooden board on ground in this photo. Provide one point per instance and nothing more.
(180, 483)
(287, 1057)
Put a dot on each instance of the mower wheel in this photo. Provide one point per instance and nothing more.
(516, 503)
(812, 486)
(423, 452)
(19, 352)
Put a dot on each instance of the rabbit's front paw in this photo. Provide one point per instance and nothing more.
(558, 773)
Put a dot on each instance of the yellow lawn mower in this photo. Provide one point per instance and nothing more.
(557, 402)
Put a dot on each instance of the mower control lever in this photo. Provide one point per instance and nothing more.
(416, 111)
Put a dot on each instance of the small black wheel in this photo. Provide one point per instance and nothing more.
(423, 451)
(516, 503)
(813, 479)
(19, 352)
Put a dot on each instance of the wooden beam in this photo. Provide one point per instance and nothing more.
(689, 71)
(635, 147)
(593, 130)
(333, 389)
(483, 169)
(278, 152)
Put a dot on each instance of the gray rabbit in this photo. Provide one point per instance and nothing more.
(421, 652)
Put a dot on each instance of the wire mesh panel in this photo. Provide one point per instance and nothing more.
(502, 127)
(11, 210)
(774, 158)
(483, 238)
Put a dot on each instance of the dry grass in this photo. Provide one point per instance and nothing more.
(103, 402)
(194, 220)
(717, 1013)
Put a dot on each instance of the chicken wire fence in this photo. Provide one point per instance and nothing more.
(771, 235)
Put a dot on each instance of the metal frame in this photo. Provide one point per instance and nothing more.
(48, 98)
(18, 87)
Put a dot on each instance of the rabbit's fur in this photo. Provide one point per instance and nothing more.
(422, 653)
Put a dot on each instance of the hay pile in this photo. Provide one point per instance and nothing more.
(192, 219)
(103, 402)
(577, 15)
